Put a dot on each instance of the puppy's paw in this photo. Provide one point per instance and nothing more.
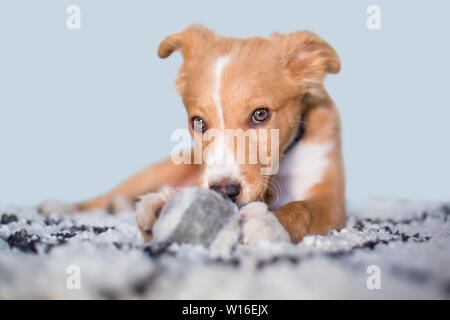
(119, 204)
(261, 225)
(148, 208)
(55, 206)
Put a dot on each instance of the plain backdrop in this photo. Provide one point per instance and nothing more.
(80, 110)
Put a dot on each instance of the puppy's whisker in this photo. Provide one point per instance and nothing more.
(274, 189)
(263, 191)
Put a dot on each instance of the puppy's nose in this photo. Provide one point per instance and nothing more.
(229, 190)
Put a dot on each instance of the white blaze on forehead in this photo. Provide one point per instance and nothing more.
(302, 168)
(220, 65)
(220, 162)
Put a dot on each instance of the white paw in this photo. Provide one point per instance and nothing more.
(261, 225)
(148, 206)
(55, 206)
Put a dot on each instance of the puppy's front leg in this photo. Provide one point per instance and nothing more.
(122, 197)
(314, 216)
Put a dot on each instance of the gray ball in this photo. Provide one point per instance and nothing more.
(198, 216)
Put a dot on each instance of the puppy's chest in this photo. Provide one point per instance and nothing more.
(302, 168)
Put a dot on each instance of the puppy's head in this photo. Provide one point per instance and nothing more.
(247, 90)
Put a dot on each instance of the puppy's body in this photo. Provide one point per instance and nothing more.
(225, 82)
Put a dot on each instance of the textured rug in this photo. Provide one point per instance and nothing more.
(388, 250)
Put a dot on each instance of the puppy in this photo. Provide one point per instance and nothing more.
(274, 84)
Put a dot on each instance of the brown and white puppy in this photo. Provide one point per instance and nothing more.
(254, 83)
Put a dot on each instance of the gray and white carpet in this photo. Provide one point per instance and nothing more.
(408, 243)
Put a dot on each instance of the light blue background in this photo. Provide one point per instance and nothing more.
(82, 110)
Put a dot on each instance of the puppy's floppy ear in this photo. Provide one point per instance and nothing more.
(307, 57)
(192, 41)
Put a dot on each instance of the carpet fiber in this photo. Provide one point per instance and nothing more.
(404, 246)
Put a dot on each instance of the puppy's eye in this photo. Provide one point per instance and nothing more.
(260, 115)
(198, 124)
